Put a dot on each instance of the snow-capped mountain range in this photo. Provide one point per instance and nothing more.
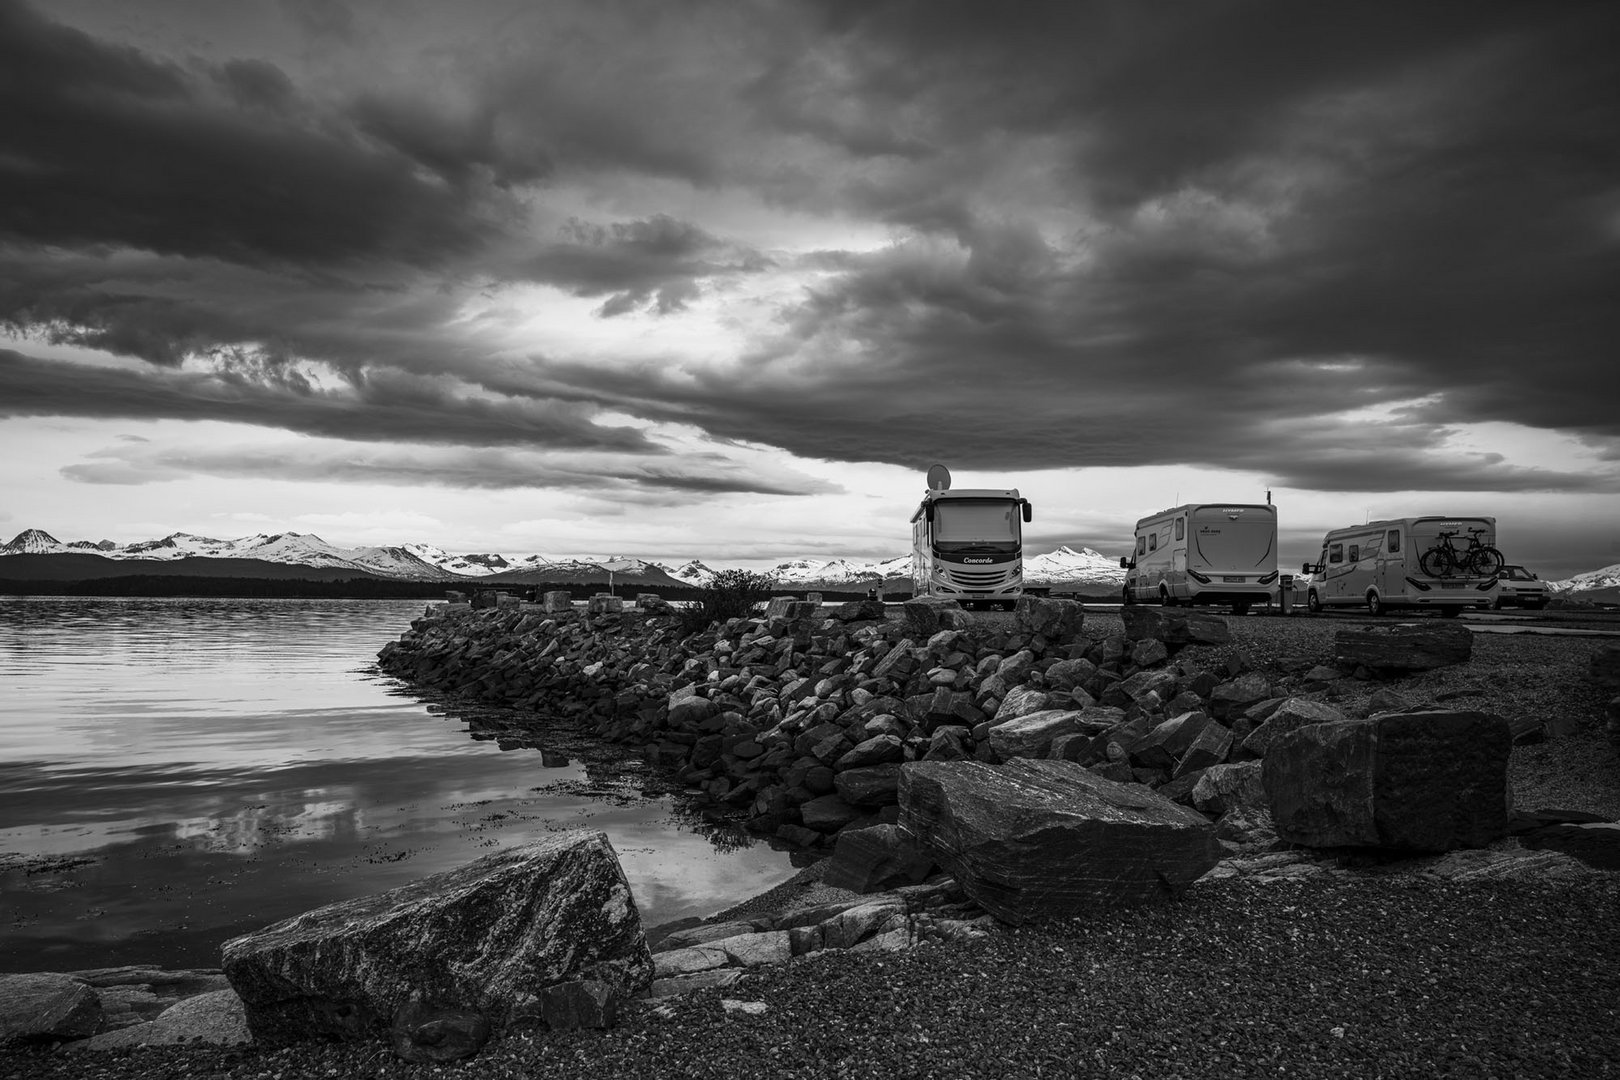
(427, 563)
(1085, 567)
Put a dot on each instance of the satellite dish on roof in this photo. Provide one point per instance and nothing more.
(939, 478)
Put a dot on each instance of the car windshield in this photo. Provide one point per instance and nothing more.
(1517, 573)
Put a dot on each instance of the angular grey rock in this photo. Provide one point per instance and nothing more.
(579, 1003)
(929, 615)
(875, 859)
(1223, 788)
(828, 813)
(1210, 748)
(1031, 736)
(874, 785)
(1020, 701)
(1168, 740)
(1231, 699)
(1068, 674)
(1291, 715)
(878, 750)
(1055, 620)
(44, 1007)
(1174, 626)
(557, 601)
(1032, 839)
(487, 937)
(1160, 682)
(215, 1018)
(1404, 646)
(1421, 781)
(859, 611)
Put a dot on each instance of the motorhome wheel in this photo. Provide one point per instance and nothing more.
(1375, 605)
(1313, 603)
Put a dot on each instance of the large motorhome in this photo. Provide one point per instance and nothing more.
(1379, 566)
(967, 545)
(1204, 553)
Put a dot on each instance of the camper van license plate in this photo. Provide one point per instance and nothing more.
(1232, 577)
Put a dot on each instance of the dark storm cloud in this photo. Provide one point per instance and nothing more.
(652, 482)
(1294, 239)
(650, 264)
(375, 407)
(1428, 201)
(104, 145)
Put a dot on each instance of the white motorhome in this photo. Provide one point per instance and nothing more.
(967, 544)
(1378, 566)
(1204, 553)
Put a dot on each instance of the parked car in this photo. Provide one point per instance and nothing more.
(1518, 587)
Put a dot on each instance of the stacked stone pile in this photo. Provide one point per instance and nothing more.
(717, 954)
(800, 721)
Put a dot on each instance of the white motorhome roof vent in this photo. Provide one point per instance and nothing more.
(939, 478)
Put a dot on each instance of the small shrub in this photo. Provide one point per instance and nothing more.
(730, 594)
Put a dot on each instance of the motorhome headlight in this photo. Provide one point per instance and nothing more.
(1420, 586)
(1268, 578)
(1202, 579)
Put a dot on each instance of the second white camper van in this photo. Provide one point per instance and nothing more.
(1379, 566)
(1204, 553)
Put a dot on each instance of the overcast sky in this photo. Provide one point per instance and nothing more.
(721, 280)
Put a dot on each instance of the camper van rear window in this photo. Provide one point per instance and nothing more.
(1394, 541)
(1181, 528)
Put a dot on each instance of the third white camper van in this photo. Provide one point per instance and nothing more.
(1378, 566)
(1204, 553)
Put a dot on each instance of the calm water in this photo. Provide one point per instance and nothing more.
(175, 772)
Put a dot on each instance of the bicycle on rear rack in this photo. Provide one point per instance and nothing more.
(1445, 559)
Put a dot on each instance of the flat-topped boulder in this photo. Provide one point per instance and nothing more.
(1174, 626)
(1415, 646)
(1055, 620)
(1421, 781)
(1042, 839)
(478, 943)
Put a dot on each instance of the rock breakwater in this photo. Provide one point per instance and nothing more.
(798, 722)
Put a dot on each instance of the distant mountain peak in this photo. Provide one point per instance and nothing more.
(32, 541)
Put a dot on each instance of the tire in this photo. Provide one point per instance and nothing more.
(1129, 596)
(1240, 608)
(1436, 562)
(1375, 604)
(1450, 612)
(1487, 561)
(1166, 599)
(1313, 603)
(1537, 605)
(1498, 604)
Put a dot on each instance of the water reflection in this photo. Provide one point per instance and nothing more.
(173, 772)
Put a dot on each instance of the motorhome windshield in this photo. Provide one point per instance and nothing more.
(977, 522)
(1239, 539)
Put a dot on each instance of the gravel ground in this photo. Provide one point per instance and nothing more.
(1373, 976)
(1391, 977)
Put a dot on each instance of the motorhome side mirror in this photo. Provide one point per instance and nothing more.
(1307, 568)
(1124, 562)
(1029, 512)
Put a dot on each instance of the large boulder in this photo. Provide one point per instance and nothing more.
(1174, 626)
(1422, 781)
(1055, 620)
(1222, 788)
(1038, 839)
(478, 943)
(1404, 646)
(46, 1007)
